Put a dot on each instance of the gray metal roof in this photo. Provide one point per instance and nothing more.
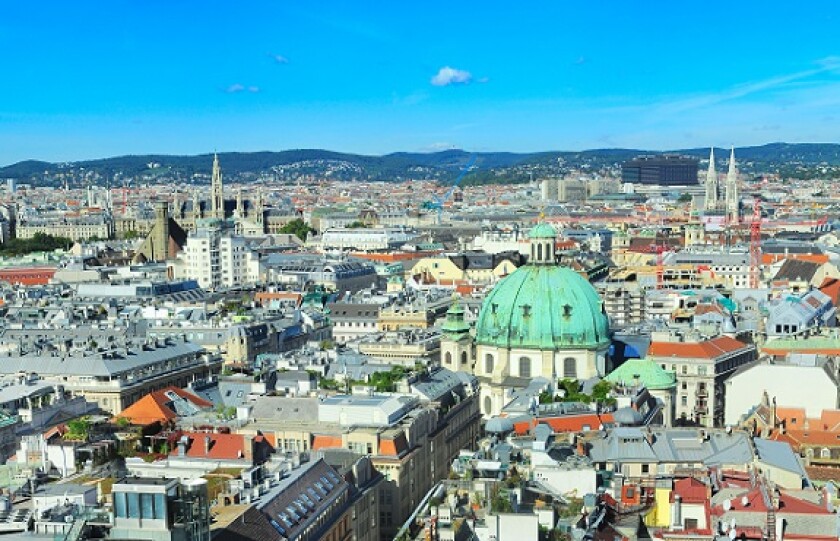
(95, 364)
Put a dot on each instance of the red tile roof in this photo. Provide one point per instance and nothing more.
(155, 407)
(708, 349)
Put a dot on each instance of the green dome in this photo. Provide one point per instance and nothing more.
(543, 307)
(542, 231)
(650, 374)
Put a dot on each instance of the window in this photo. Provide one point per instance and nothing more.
(684, 400)
(488, 404)
(701, 370)
(146, 506)
(525, 367)
(684, 386)
(463, 357)
(119, 505)
(645, 468)
(133, 504)
(684, 369)
(570, 368)
(488, 364)
(448, 357)
(825, 453)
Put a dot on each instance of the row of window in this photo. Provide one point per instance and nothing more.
(569, 365)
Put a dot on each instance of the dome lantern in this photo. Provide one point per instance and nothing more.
(543, 238)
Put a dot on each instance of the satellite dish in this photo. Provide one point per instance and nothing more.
(732, 524)
(727, 505)
(732, 533)
(724, 527)
(745, 501)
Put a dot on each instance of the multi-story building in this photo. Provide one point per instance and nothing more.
(702, 366)
(663, 170)
(307, 270)
(72, 227)
(217, 260)
(116, 376)
(364, 239)
(160, 510)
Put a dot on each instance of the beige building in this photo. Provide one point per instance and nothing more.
(702, 366)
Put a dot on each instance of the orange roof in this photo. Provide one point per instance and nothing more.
(395, 256)
(214, 445)
(708, 349)
(565, 423)
(831, 287)
(792, 416)
(156, 406)
(326, 441)
(769, 259)
(264, 296)
(396, 446)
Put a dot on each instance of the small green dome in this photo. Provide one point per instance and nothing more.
(455, 323)
(543, 307)
(542, 231)
(650, 374)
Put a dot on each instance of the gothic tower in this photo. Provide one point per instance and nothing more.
(217, 191)
(732, 189)
(711, 183)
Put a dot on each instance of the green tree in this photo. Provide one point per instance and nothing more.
(684, 198)
(297, 227)
(78, 429)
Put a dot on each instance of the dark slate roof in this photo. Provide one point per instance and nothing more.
(795, 269)
(292, 506)
(348, 310)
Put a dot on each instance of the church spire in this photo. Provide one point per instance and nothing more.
(217, 191)
(732, 189)
(711, 183)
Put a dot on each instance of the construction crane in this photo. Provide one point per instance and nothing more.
(439, 201)
(755, 245)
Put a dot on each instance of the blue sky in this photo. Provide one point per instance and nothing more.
(95, 79)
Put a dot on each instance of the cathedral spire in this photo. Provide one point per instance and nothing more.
(217, 191)
(732, 189)
(711, 183)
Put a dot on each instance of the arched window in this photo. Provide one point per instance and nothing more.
(488, 405)
(525, 367)
(488, 364)
(448, 357)
(539, 252)
(463, 357)
(570, 368)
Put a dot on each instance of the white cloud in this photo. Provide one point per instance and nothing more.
(236, 88)
(279, 58)
(451, 76)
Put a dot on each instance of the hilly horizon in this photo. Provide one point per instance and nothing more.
(441, 165)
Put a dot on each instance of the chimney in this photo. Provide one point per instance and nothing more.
(208, 441)
(248, 447)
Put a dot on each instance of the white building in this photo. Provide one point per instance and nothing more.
(382, 238)
(216, 259)
(806, 382)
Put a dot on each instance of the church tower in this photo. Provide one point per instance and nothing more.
(732, 190)
(217, 191)
(711, 183)
(456, 345)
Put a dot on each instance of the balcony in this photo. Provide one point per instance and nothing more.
(702, 392)
(701, 408)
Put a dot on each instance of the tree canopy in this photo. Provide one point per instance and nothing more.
(297, 227)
